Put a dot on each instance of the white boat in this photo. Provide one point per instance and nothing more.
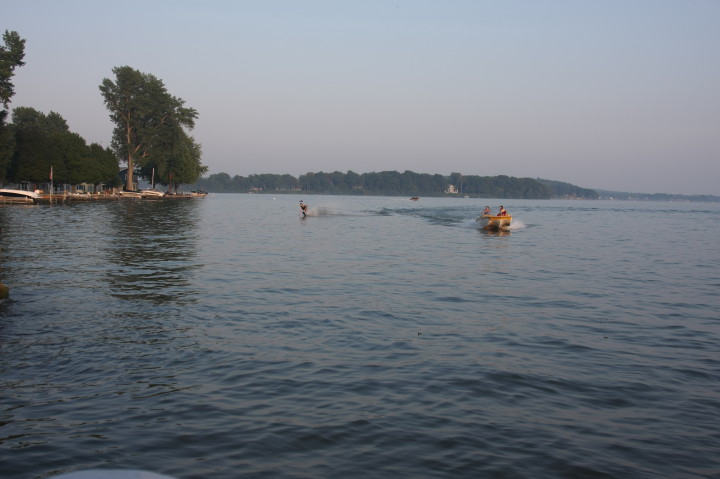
(129, 194)
(8, 195)
(151, 194)
(494, 223)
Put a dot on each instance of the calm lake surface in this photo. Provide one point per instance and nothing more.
(226, 337)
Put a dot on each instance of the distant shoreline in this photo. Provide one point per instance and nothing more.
(410, 184)
(603, 197)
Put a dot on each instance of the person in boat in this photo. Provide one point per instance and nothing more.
(487, 211)
(503, 211)
(303, 208)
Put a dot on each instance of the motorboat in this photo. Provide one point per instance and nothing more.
(151, 194)
(130, 194)
(494, 223)
(8, 195)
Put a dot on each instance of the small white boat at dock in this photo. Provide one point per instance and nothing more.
(130, 194)
(8, 195)
(151, 194)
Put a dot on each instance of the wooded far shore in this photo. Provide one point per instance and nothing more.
(408, 183)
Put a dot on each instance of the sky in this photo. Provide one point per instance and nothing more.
(620, 95)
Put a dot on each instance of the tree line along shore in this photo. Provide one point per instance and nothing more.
(394, 183)
(408, 183)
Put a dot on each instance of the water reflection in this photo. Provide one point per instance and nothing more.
(494, 232)
(153, 246)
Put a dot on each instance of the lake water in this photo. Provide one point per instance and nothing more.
(226, 337)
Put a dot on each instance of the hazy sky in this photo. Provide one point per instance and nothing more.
(611, 94)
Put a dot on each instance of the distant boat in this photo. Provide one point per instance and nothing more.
(151, 194)
(415, 198)
(494, 223)
(130, 194)
(8, 195)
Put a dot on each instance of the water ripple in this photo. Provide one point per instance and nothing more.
(228, 338)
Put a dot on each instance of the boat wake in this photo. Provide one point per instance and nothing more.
(516, 224)
(323, 211)
(452, 217)
(468, 223)
(472, 223)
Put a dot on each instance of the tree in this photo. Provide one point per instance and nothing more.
(183, 166)
(35, 152)
(7, 147)
(36, 146)
(105, 166)
(75, 157)
(219, 182)
(149, 123)
(24, 117)
(45, 141)
(11, 57)
(352, 180)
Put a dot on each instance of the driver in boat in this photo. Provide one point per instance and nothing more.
(487, 211)
(303, 208)
(503, 211)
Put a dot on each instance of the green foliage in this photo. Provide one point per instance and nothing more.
(42, 142)
(7, 147)
(74, 156)
(25, 117)
(178, 162)
(567, 190)
(12, 53)
(35, 152)
(11, 57)
(505, 187)
(105, 166)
